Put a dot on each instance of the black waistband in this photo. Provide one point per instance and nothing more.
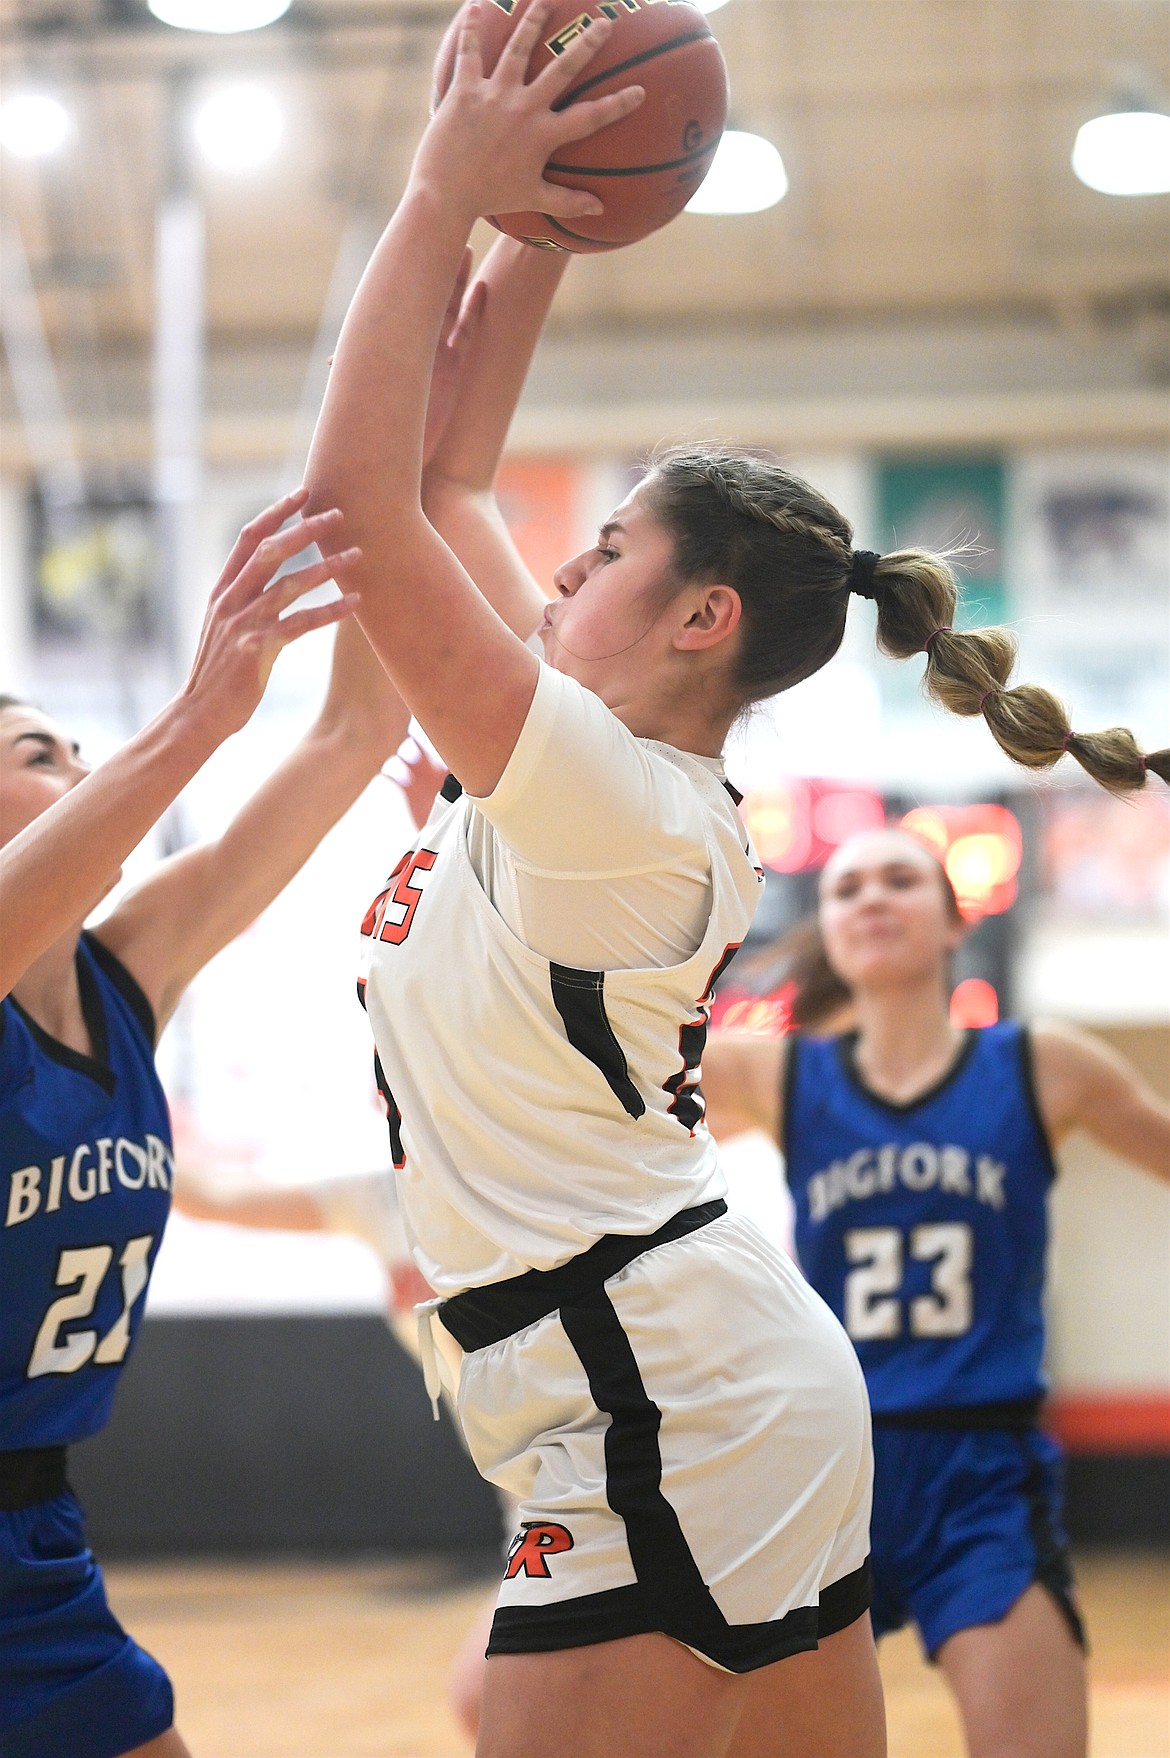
(480, 1316)
(31, 1475)
(1017, 1415)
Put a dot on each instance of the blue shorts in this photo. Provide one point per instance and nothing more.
(72, 1683)
(964, 1521)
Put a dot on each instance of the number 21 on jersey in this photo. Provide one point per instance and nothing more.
(875, 1308)
(82, 1270)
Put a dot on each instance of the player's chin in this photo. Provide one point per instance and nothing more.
(875, 969)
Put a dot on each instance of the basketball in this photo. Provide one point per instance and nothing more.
(646, 167)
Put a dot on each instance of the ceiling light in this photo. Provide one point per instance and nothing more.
(218, 15)
(33, 125)
(1127, 153)
(747, 174)
(239, 127)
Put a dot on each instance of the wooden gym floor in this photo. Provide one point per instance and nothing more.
(351, 1661)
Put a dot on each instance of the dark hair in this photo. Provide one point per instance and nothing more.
(741, 519)
(817, 992)
(7, 701)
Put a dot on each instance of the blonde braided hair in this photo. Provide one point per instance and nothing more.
(742, 519)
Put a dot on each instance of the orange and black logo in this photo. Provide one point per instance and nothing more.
(533, 1545)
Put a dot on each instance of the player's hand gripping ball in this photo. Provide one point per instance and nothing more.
(645, 168)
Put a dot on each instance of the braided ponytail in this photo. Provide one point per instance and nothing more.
(740, 519)
(967, 671)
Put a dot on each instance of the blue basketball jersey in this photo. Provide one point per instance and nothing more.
(85, 1181)
(924, 1226)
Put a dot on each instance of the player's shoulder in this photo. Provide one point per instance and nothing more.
(113, 974)
(14, 1047)
(1064, 1053)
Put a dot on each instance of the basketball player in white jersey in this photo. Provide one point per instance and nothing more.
(682, 1421)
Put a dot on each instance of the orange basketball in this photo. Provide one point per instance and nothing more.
(646, 167)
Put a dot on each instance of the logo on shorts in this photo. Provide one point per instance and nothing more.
(532, 1545)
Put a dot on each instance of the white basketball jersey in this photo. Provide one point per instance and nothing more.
(535, 1105)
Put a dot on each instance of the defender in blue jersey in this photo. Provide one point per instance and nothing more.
(919, 1162)
(85, 1146)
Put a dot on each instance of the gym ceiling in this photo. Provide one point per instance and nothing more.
(926, 141)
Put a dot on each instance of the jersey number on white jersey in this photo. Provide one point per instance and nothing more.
(391, 914)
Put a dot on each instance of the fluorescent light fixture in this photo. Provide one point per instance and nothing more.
(747, 175)
(239, 127)
(219, 15)
(1127, 153)
(34, 125)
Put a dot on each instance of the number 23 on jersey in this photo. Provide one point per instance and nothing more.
(875, 1307)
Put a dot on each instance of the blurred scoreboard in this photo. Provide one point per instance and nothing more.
(796, 823)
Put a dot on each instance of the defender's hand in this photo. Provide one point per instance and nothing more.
(244, 630)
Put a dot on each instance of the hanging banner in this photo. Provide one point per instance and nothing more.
(944, 503)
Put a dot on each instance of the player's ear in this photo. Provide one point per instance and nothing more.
(713, 613)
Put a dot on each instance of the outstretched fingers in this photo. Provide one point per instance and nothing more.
(512, 66)
(468, 66)
(269, 623)
(264, 525)
(575, 123)
(318, 616)
(285, 591)
(567, 64)
(579, 120)
(269, 554)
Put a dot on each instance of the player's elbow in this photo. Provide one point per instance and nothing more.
(449, 501)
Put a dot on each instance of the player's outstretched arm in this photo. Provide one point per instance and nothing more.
(504, 313)
(466, 677)
(287, 1210)
(1083, 1084)
(742, 1081)
(193, 905)
(55, 871)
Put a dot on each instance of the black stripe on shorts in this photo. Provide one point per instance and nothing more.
(1053, 1568)
(670, 1595)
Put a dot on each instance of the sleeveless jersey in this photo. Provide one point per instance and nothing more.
(85, 1179)
(924, 1226)
(533, 1106)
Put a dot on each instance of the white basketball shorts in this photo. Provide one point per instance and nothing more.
(685, 1426)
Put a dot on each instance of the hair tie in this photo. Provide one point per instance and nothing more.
(934, 633)
(1144, 764)
(1066, 741)
(994, 691)
(861, 569)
